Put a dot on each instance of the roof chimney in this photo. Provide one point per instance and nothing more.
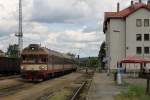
(132, 5)
(118, 7)
(148, 4)
(132, 2)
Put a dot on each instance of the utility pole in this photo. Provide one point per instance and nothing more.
(20, 33)
(79, 60)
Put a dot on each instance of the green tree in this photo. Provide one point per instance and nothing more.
(91, 62)
(12, 51)
(102, 54)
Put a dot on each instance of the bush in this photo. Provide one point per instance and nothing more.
(136, 90)
(133, 92)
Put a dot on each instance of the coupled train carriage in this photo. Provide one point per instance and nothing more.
(9, 66)
(42, 63)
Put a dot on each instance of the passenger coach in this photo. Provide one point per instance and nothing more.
(42, 63)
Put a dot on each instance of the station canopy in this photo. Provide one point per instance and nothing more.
(135, 59)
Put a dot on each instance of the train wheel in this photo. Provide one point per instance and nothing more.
(45, 77)
(33, 79)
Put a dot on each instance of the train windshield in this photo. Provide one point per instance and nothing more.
(34, 59)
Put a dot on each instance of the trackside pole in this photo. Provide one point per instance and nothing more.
(148, 87)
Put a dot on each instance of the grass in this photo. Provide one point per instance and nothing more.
(61, 94)
(133, 92)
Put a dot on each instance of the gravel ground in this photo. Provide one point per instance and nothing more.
(36, 91)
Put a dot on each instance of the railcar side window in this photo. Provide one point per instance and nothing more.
(44, 59)
(34, 59)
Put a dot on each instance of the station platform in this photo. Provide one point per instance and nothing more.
(103, 87)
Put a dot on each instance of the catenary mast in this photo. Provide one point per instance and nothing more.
(20, 33)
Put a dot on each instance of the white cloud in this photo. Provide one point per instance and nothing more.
(86, 15)
(60, 11)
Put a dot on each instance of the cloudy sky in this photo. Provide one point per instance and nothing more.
(64, 25)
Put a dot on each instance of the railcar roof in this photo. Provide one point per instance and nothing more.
(43, 51)
(56, 53)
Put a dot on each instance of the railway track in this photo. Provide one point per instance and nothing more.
(74, 84)
(13, 85)
(26, 90)
(77, 92)
(9, 77)
(8, 90)
(83, 87)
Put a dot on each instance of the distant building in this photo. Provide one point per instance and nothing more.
(127, 32)
(2, 53)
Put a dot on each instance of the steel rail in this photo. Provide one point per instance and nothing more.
(9, 77)
(75, 95)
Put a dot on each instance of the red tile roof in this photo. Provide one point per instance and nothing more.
(125, 12)
(135, 59)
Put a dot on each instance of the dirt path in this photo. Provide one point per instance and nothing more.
(37, 90)
(102, 88)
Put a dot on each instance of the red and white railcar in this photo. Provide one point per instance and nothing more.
(42, 63)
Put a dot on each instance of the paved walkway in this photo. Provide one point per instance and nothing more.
(102, 88)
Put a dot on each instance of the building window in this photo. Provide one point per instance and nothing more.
(138, 50)
(146, 50)
(139, 37)
(146, 37)
(146, 22)
(138, 22)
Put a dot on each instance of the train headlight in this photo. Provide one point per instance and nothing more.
(41, 67)
(23, 67)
